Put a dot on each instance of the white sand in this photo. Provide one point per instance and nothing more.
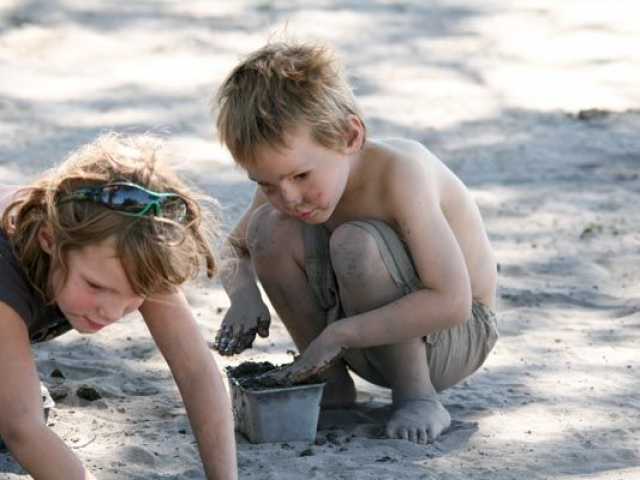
(492, 88)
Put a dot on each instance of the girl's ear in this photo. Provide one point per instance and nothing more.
(354, 135)
(46, 238)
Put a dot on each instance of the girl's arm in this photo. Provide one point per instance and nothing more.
(194, 369)
(22, 426)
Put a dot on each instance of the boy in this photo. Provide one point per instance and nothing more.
(372, 252)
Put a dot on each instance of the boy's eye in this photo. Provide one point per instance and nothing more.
(302, 176)
(267, 188)
(94, 286)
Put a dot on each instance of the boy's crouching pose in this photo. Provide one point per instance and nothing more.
(372, 252)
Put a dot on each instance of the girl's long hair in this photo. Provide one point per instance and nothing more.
(157, 254)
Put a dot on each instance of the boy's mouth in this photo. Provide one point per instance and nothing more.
(306, 215)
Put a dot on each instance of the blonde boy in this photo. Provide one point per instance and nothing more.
(372, 252)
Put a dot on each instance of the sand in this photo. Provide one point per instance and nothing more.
(535, 105)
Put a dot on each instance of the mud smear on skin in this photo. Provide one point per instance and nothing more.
(250, 375)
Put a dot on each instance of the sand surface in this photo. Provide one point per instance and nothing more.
(535, 105)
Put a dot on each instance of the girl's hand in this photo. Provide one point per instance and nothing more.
(247, 316)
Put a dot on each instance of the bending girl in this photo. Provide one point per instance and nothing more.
(109, 231)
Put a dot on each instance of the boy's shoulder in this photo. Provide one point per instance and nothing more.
(393, 158)
(399, 171)
(390, 174)
(398, 150)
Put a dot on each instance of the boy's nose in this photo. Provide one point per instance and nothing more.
(289, 195)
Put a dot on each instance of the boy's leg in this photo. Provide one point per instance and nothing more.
(373, 269)
(277, 249)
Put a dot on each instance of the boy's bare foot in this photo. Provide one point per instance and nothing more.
(418, 421)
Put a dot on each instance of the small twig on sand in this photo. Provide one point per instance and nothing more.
(78, 447)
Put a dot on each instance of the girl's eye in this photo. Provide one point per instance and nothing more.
(94, 286)
(303, 176)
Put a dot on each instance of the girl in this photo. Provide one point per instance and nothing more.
(109, 231)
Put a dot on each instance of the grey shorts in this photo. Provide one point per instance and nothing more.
(453, 354)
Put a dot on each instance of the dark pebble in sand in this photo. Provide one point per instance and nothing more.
(88, 392)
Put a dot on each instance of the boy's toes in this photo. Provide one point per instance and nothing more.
(419, 436)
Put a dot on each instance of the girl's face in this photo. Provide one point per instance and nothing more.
(304, 180)
(96, 292)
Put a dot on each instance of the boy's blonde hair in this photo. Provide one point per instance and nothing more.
(157, 254)
(279, 88)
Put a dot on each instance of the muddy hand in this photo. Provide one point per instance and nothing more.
(318, 357)
(228, 344)
(239, 328)
(285, 376)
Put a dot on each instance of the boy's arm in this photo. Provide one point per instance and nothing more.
(194, 369)
(248, 315)
(414, 196)
(413, 200)
(22, 426)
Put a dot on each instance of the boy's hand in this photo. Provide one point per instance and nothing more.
(240, 325)
(318, 356)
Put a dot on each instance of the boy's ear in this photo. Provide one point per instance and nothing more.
(46, 238)
(354, 135)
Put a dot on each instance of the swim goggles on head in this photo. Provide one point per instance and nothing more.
(132, 199)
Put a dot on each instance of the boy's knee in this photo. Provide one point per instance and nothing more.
(352, 249)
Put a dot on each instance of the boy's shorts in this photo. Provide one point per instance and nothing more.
(454, 353)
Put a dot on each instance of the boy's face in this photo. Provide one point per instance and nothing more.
(96, 292)
(304, 180)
